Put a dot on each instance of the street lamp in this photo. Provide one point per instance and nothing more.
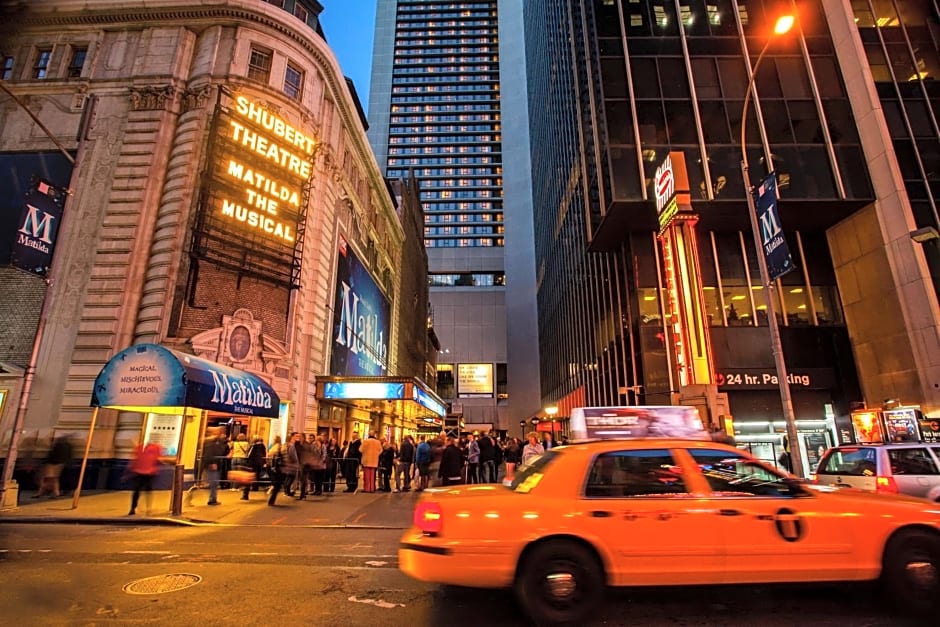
(551, 410)
(784, 24)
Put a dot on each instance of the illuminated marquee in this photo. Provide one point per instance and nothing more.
(261, 166)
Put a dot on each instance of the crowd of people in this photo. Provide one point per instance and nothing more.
(308, 464)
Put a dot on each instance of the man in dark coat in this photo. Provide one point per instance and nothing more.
(406, 457)
(351, 466)
(487, 459)
(451, 470)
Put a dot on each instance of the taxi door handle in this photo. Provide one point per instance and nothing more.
(601, 514)
(729, 512)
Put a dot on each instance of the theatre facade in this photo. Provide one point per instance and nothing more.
(194, 177)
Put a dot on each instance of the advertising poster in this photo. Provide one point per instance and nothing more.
(902, 425)
(815, 444)
(164, 431)
(475, 380)
(360, 321)
(37, 228)
(775, 248)
(930, 429)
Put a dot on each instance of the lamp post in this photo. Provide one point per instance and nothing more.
(784, 24)
(552, 410)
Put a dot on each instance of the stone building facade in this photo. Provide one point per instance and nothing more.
(146, 96)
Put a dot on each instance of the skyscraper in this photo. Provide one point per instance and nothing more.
(435, 110)
(648, 278)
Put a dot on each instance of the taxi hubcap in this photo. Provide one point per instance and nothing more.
(922, 573)
(560, 585)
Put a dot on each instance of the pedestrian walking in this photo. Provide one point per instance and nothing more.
(423, 462)
(144, 466)
(352, 460)
(333, 457)
(533, 449)
(451, 467)
(214, 453)
(59, 456)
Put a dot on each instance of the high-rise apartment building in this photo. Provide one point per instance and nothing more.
(653, 302)
(436, 110)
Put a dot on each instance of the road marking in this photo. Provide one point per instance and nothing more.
(376, 563)
(256, 553)
(376, 602)
(145, 552)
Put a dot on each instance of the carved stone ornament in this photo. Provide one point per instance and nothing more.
(152, 97)
(196, 98)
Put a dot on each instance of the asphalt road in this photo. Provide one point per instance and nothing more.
(256, 575)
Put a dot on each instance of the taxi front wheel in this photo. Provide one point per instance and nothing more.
(559, 582)
(912, 572)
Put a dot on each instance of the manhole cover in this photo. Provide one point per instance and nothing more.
(161, 584)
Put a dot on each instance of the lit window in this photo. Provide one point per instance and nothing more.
(259, 65)
(293, 81)
(77, 61)
(41, 68)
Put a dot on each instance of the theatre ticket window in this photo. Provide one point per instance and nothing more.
(631, 474)
(259, 64)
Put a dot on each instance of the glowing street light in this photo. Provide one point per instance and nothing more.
(783, 25)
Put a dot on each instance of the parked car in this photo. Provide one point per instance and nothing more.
(911, 468)
(653, 512)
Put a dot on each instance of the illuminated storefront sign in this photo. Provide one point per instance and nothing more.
(260, 168)
(360, 321)
(474, 380)
(673, 315)
(424, 399)
(758, 379)
(371, 391)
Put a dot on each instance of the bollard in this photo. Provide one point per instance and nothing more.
(177, 499)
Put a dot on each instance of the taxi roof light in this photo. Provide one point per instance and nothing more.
(429, 518)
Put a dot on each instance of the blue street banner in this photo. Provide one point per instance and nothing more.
(774, 244)
(38, 226)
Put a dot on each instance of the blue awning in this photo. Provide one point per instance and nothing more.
(153, 378)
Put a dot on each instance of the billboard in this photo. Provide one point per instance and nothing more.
(253, 203)
(361, 315)
(474, 380)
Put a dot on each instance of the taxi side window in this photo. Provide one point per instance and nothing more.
(635, 474)
(729, 474)
(911, 461)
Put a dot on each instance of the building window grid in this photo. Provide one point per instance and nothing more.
(293, 81)
(6, 72)
(77, 61)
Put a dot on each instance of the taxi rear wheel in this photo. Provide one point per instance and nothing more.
(559, 582)
(912, 571)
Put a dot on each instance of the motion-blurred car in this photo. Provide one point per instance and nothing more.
(660, 512)
(910, 468)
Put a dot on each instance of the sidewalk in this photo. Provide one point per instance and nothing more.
(379, 510)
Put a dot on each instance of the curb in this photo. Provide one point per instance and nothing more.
(124, 520)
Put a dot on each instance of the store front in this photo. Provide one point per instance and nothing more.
(180, 397)
(391, 407)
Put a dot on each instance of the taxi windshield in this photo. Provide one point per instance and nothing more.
(529, 475)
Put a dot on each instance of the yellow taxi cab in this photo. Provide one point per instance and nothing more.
(665, 511)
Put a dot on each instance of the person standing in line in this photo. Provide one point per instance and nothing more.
(451, 464)
(352, 459)
(473, 459)
(213, 454)
(333, 457)
(144, 466)
(512, 454)
(423, 462)
(406, 457)
(386, 464)
(533, 449)
(487, 459)
(318, 458)
(370, 449)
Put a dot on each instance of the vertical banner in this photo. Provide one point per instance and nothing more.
(38, 226)
(776, 252)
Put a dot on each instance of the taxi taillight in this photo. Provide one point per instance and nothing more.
(813, 478)
(886, 485)
(429, 518)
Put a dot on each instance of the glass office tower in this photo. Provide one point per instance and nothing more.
(638, 308)
(435, 110)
